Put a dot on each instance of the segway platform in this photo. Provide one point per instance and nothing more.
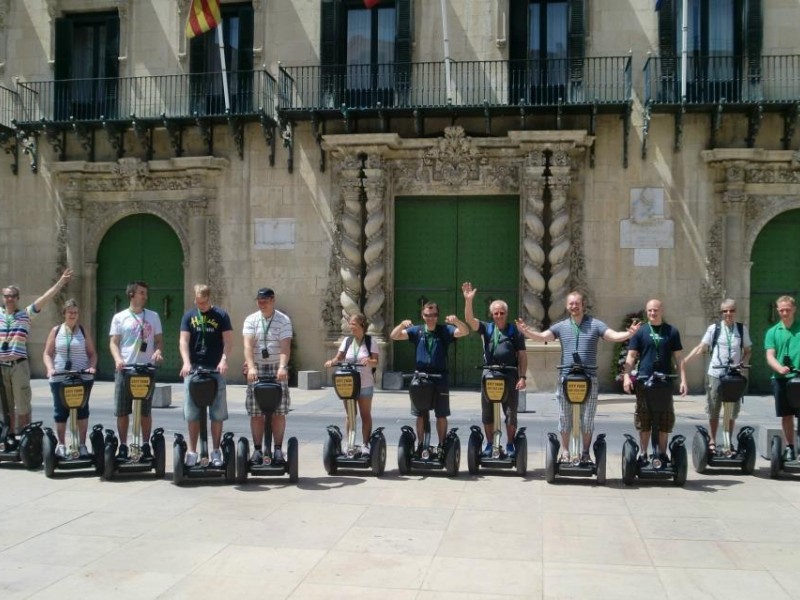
(777, 464)
(26, 448)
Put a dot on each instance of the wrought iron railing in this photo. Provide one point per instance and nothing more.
(726, 79)
(150, 97)
(605, 80)
(9, 107)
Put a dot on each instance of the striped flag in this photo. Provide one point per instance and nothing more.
(371, 3)
(204, 16)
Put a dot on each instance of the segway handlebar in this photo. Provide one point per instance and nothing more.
(203, 371)
(579, 366)
(422, 375)
(499, 367)
(72, 373)
(140, 367)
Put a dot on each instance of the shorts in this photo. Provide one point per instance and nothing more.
(123, 402)
(218, 410)
(782, 408)
(441, 401)
(565, 408)
(61, 412)
(510, 406)
(366, 393)
(714, 402)
(17, 381)
(642, 418)
(270, 370)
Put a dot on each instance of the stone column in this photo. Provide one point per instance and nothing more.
(374, 283)
(196, 272)
(560, 243)
(350, 260)
(531, 191)
(735, 265)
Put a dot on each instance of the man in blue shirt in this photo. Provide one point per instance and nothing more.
(431, 341)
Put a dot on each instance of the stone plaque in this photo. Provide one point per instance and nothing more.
(274, 234)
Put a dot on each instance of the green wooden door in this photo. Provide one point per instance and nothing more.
(141, 248)
(774, 273)
(442, 241)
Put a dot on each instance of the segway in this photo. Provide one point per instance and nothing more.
(495, 385)
(732, 385)
(139, 382)
(347, 384)
(576, 388)
(73, 393)
(658, 396)
(422, 390)
(27, 448)
(777, 464)
(203, 392)
(267, 393)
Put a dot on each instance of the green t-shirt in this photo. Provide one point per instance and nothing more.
(786, 342)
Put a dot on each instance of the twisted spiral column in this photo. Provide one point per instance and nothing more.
(374, 282)
(350, 261)
(560, 243)
(531, 191)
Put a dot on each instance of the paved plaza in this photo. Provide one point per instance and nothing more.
(419, 537)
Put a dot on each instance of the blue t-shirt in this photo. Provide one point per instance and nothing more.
(583, 341)
(205, 335)
(655, 345)
(431, 355)
(501, 348)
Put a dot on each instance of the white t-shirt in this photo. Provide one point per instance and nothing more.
(268, 333)
(358, 352)
(729, 347)
(133, 329)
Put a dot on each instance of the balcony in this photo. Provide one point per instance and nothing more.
(9, 112)
(172, 102)
(724, 84)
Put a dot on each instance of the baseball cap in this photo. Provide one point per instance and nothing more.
(265, 293)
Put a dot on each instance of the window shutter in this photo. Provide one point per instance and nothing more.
(402, 50)
(111, 68)
(63, 49)
(517, 49)
(246, 38)
(754, 34)
(577, 39)
(666, 37)
(328, 47)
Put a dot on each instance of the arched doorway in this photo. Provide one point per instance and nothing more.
(141, 247)
(775, 272)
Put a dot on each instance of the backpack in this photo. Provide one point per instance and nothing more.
(367, 339)
(512, 332)
(717, 329)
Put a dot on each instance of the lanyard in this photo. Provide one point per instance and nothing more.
(495, 339)
(356, 349)
(202, 322)
(69, 335)
(430, 341)
(266, 329)
(141, 325)
(729, 336)
(657, 339)
(9, 318)
(577, 330)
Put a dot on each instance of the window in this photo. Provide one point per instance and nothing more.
(365, 53)
(86, 66)
(723, 43)
(207, 91)
(546, 50)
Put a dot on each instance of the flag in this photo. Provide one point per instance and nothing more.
(658, 4)
(204, 16)
(371, 3)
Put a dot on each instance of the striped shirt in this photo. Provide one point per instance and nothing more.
(14, 329)
(70, 345)
(582, 339)
(268, 333)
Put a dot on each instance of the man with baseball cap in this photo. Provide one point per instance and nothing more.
(267, 348)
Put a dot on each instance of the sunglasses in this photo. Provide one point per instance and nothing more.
(10, 296)
(728, 310)
(424, 316)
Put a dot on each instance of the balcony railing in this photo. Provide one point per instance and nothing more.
(9, 107)
(500, 83)
(723, 79)
(151, 97)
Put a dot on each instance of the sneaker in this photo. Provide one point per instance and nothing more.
(61, 451)
(146, 454)
(510, 450)
(122, 452)
(83, 451)
(216, 458)
(257, 457)
(487, 451)
(365, 451)
(191, 459)
(788, 453)
(277, 456)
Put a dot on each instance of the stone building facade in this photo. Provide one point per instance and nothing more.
(627, 195)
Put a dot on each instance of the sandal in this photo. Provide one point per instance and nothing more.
(712, 448)
(585, 458)
(564, 458)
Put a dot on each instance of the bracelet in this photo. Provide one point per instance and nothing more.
(282, 367)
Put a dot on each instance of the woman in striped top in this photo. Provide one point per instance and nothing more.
(68, 348)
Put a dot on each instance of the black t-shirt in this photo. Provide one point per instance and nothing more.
(655, 345)
(205, 335)
(501, 347)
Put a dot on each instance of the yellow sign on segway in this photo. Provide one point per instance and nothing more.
(344, 385)
(139, 386)
(576, 390)
(495, 389)
(73, 395)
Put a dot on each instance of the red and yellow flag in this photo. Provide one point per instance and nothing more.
(371, 3)
(204, 15)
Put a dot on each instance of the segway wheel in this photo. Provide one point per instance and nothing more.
(242, 456)
(49, 456)
(749, 449)
(404, 449)
(680, 460)
(378, 455)
(699, 452)
(600, 459)
(474, 453)
(292, 454)
(229, 456)
(551, 460)
(330, 449)
(521, 445)
(109, 461)
(30, 448)
(452, 457)
(159, 455)
(775, 457)
(96, 440)
(628, 463)
(178, 459)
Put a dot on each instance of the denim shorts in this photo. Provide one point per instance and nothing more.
(61, 412)
(218, 410)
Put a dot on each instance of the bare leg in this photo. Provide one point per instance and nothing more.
(278, 427)
(257, 429)
(147, 426)
(365, 406)
(194, 435)
(216, 434)
(83, 425)
(61, 432)
(122, 429)
(441, 428)
(787, 424)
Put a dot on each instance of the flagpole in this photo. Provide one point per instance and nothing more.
(446, 52)
(224, 68)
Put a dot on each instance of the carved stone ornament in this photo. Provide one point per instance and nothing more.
(452, 164)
